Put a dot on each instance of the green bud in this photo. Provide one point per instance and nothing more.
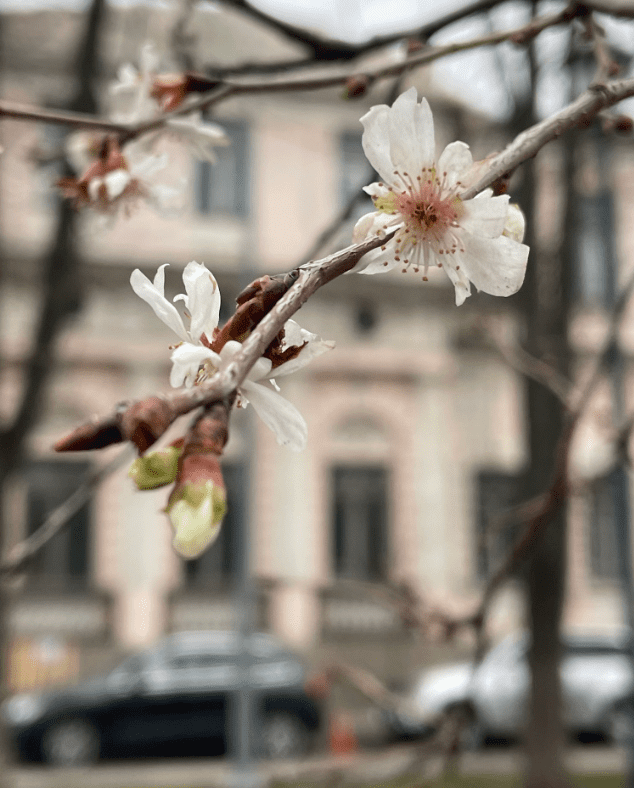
(196, 512)
(155, 469)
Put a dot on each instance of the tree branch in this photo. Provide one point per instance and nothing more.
(19, 555)
(124, 422)
(62, 294)
(579, 113)
(288, 81)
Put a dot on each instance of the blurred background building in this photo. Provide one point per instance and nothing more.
(416, 426)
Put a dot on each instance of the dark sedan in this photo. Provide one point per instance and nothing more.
(172, 698)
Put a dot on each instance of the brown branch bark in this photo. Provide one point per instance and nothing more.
(287, 81)
(124, 419)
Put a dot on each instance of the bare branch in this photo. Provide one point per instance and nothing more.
(523, 362)
(61, 295)
(327, 49)
(540, 511)
(124, 422)
(12, 111)
(579, 113)
(287, 81)
(19, 555)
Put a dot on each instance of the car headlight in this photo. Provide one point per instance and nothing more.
(22, 709)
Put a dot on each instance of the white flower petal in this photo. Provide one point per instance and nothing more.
(149, 59)
(94, 187)
(375, 224)
(494, 265)
(460, 282)
(127, 76)
(187, 360)
(374, 262)
(162, 308)
(229, 350)
(375, 190)
(80, 150)
(159, 279)
(296, 336)
(131, 101)
(486, 216)
(455, 160)
(201, 137)
(285, 421)
(261, 369)
(366, 226)
(376, 141)
(258, 371)
(203, 300)
(144, 166)
(116, 182)
(411, 132)
(515, 226)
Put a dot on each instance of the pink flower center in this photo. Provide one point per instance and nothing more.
(427, 214)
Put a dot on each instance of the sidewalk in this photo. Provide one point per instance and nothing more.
(369, 766)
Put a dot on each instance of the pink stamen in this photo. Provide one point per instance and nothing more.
(427, 214)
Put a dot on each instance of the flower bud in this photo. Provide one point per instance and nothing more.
(356, 86)
(155, 469)
(197, 504)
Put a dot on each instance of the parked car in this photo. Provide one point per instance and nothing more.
(169, 698)
(596, 678)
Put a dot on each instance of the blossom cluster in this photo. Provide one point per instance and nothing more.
(197, 497)
(111, 176)
(418, 198)
(426, 222)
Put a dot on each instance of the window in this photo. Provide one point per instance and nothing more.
(360, 515)
(595, 250)
(218, 562)
(602, 525)
(356, 172)
(496, 494)
(63, 563)
(223, 187)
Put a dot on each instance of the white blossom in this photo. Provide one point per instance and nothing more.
(131, 98)
(476, 241)
(201, 138)
(201, 299)
(193, 360)
(133, 101)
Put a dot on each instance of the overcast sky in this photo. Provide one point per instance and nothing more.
(484, 78)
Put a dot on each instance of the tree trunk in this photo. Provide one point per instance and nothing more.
(61, 298)
(547, 308)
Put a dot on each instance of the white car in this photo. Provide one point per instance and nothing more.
(597, 679)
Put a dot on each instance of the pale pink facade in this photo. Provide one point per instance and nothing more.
(411, 394)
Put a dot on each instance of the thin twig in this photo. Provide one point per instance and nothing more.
(229, 377)
(528, 365)
(19, 555)
(13, 111)
(579, 113)
(540, 510)
(285, 82)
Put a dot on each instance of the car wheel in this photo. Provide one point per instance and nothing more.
(72, 742)
(472, 736)
(619, 726)
(283, 736)
(470, 732)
